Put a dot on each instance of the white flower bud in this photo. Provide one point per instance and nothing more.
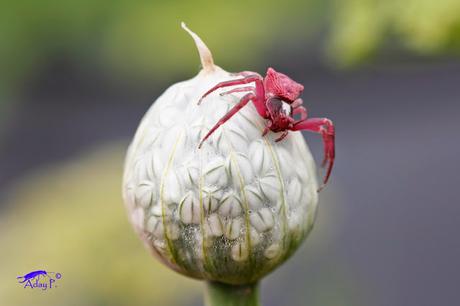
(231, 210)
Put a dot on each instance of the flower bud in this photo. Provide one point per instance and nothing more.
(234, 209)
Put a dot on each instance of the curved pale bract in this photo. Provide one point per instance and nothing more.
(231, 211)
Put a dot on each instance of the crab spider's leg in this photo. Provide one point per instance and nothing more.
(259, 101)
(326, 128)
(238, 89)
(297, 108)
(265, 131)
(297, 102)
(282, 136)
(267, 128)
(229, 114)
(246, 73)
(245, 80)
(302, 111)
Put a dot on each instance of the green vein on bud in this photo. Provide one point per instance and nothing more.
(171, 249)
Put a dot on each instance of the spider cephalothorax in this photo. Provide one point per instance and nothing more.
(276, 98)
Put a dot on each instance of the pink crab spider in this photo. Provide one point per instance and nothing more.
(276, 98)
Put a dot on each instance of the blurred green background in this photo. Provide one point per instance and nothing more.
(140, 40)
(76, 77)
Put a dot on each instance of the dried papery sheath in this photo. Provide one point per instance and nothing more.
(230, 211)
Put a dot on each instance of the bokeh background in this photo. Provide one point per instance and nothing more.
(77, 76)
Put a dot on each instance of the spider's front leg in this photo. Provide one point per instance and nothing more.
(248, 97)
(238, 89)
(283, 135)
(257, 96)
(259, 91)
(245, 73)
(326, 128)
(297, 108)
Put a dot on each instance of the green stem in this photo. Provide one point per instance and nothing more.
(219, 294)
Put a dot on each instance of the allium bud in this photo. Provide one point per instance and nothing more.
(234, 209)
